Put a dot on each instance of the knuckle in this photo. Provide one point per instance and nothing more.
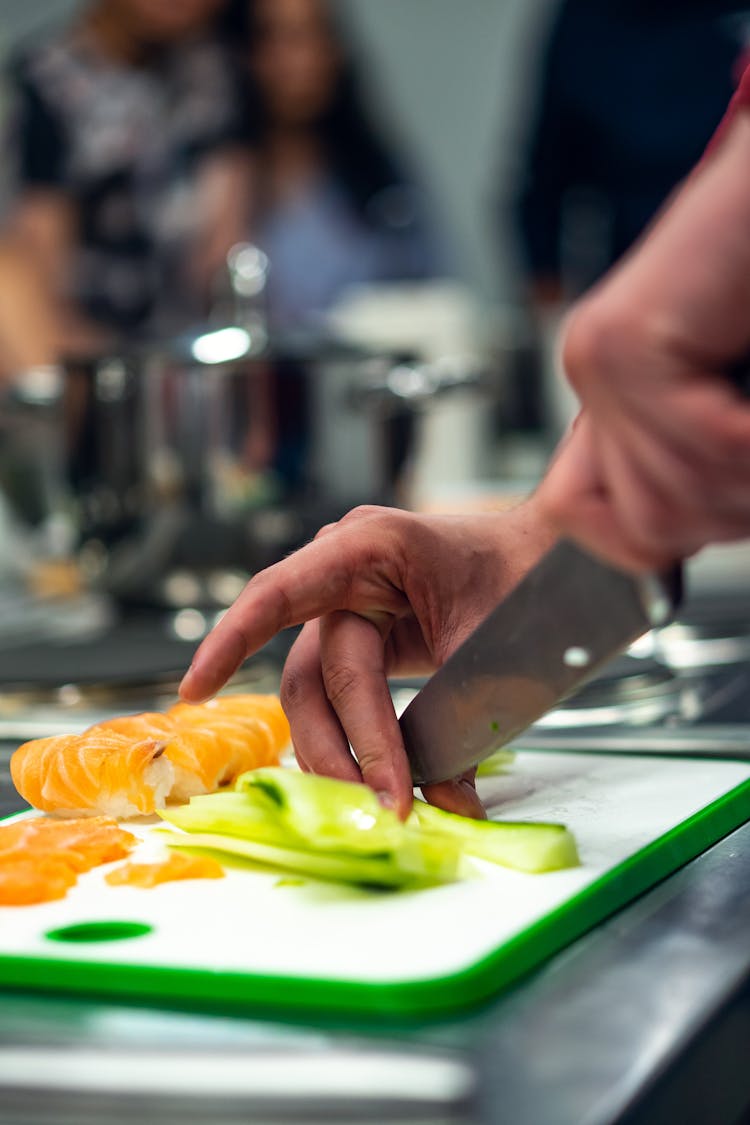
(342, 681)
(593, 345)
(295, 688)
(372, 766)
(270, 586)
(363, 512)
(278, 601)
(581, 346)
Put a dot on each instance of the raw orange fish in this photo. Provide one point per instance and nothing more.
(244, 743)
(199, 761)
(98, 771)
(26, 880)
(146, 724)
(177, 866)
(40, 858)
(132, 764)
(82, 844)
(206, 748)
(243, 706)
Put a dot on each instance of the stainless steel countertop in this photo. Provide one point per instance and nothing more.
(645, 1019)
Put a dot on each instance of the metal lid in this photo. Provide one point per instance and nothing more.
(713, 629)
(630, 691)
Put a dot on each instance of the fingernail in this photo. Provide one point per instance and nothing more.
(386, 799)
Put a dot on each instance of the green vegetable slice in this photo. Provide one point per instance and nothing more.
(439, 863)
(497, 763)
(522, 845)
(325, 812)
(232, 814)
(338, 830)
(316, 825)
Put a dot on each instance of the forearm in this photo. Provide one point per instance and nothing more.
(29, 329)
(685, 288)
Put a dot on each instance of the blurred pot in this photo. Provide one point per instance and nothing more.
(224, 448)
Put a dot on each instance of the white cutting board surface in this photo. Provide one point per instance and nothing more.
(252, 924)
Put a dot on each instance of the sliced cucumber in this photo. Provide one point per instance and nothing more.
(438, 862)
(523, 845)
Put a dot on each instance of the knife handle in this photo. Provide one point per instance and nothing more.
(661, 595)
(739, 375)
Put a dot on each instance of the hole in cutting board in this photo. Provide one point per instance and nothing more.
(99, 931)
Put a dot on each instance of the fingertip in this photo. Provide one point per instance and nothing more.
(398, 798)
(193, 687)
(394, 793)
(187, 694)
(457, 796)
(398, 802)
(186, 690)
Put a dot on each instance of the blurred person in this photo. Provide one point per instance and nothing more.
(332, 207)
(629, 94)
(30, 331)
(124, 170)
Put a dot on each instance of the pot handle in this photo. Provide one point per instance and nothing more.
(412, 385)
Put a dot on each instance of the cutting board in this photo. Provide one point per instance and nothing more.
(260, 940)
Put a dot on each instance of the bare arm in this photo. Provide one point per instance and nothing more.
(224, 193)
(37, 319)
(660, 463)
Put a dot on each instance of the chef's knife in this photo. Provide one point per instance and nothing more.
(566, 618)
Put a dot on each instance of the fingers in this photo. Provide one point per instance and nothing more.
(317, 735)
(334, 692)
(353, 670)
(638, 502)
(573, 497)
(297, 589)
(314, 581)
(457, 796)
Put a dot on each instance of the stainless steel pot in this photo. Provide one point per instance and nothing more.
(220, 450)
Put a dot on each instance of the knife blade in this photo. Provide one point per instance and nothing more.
(568, 616)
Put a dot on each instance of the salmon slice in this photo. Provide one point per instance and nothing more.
(206, 753)
(177, 866)
(82, 844)
(246, 705)
(41, 858)
(27, 880)
(146, 724)
(131, 765)
(199, 760)
(240, 739)
(99, 771)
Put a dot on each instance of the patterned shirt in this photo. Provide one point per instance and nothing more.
(125, 145)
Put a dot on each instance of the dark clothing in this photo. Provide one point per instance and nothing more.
(125, 145)
(628, 103)
(741, 100)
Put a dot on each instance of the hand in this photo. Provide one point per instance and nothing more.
(659, 462)
(383, 592)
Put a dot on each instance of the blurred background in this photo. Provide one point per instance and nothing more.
(262, 260)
